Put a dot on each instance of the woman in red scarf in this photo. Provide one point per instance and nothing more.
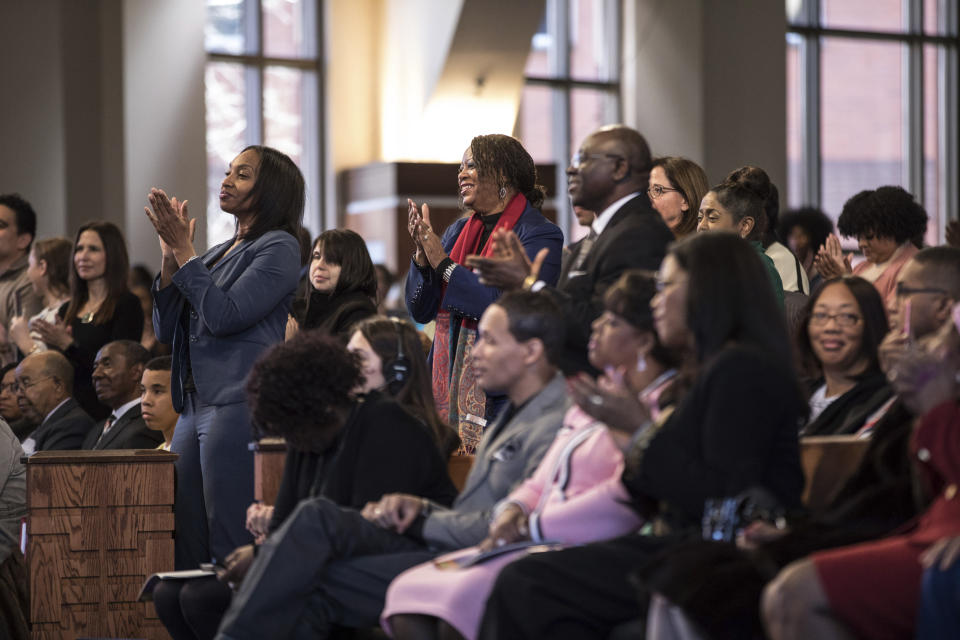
(497, 185)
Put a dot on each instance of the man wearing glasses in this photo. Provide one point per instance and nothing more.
(609, 174)
(44, 383)
(927, 288)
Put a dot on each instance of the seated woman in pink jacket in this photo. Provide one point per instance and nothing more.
(574, 496)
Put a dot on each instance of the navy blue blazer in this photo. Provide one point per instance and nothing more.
(465, 295)
(238, 308)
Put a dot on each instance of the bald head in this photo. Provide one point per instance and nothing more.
(630, 144)
(612, 162)
(45, 380)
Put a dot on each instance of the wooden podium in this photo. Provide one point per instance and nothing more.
(98, 523)
(269, 456)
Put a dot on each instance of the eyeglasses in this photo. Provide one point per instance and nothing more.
(10, 386)
(658, 190)
(578, 159)
(843, 319)
(903, 290)
(16, 387)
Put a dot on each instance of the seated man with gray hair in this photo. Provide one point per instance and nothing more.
(44, 385)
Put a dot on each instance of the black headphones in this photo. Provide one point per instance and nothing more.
(395, 373)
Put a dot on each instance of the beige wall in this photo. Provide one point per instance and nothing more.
(706, 79)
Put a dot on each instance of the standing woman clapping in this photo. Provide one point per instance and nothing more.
(220, 311)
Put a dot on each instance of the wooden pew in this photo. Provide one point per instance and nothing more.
(98, 523)
(269, 455)
(828, 462)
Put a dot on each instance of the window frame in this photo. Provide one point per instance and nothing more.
(254, 67)
(561, 82)
(809, 31)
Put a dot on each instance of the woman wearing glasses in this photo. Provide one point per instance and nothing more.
(839, 337)
(497, 186)
(677, 186)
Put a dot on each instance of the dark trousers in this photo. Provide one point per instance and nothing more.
(581, 592)
(938, 616)
(191, 609)
(324, 566)
(214, 481)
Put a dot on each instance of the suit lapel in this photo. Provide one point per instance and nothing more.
(502, 430)
(117, 427)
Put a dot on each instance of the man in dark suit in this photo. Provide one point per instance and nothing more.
(609, 175)
(117, 370)
(44, 383)
(347, 559)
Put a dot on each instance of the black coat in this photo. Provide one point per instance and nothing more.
(128, 432)
(64, 429)
(635, 238)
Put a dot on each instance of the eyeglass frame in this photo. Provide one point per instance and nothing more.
(822, 318)
(31, 384)
(656, 191)
(578, 159)
(903, 291)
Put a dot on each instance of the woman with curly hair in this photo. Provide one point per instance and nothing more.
(804, 231)
(497, 185)
(888, 225)
(346, 448)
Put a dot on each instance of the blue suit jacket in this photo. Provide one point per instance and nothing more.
(238, 308)
(465, 295)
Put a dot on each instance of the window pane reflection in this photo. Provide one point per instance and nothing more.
(226, 27)
(226, 136)
(535, 122)
(286, 25)
(875, 15)
(862, 123)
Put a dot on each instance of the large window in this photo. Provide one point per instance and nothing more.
(572, 86)
(872, 100)
(262, 87)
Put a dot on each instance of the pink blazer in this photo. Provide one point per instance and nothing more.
(886, 284)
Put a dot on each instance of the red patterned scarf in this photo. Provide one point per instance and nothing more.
(460, 400)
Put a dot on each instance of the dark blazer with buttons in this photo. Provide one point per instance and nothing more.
(65, 428)
(465, 295)
(508, 454)
(237, 308)
(128, 432)
(635, 238)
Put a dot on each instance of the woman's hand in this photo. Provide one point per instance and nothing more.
(512, 525)
(20, 334)
(508, 267)
(174, 228)
(610, 400)
(413, 223)
(429, 241)
(757, 533)
(830, 261)
(55, 334)
(292, 328)
(237, 564)
(258, 518)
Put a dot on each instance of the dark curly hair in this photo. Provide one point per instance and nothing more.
(504, 160)
(629, 297)
(301, 390)
(875, 325)
(886, 212)
(814, 221)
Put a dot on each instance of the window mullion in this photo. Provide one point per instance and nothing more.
(913, 104)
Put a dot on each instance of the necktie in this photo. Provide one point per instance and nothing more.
(106, 427)
(585, 248)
